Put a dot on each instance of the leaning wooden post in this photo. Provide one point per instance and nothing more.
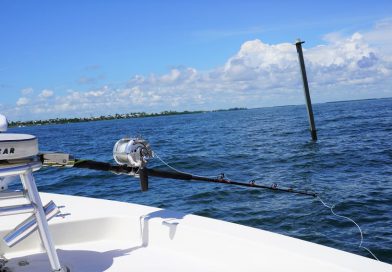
(313, 132)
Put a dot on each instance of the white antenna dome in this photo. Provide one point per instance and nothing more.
(3, 123)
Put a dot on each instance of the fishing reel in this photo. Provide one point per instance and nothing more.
(132, 152)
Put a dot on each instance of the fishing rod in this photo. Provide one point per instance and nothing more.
(132, 155)
(89, 164)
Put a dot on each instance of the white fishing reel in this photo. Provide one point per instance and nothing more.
(133, 152)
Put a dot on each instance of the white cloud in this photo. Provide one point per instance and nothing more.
(347, 61)
(46, 93)
(27, 91)
(22, 101)
(263, 63)
(352, 66)
(381, 38)
(171, 77)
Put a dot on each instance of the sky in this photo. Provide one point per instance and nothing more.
(92, 58)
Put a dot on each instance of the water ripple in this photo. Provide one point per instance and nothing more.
(350, 165)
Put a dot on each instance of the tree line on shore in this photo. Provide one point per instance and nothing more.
(107, 117)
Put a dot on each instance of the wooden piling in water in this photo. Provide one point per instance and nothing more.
(312, 124)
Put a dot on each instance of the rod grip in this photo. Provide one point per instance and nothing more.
(143, 176)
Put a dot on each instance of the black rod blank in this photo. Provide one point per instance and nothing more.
(145, 172)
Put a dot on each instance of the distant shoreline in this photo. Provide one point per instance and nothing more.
(144, 114)
(109, 117)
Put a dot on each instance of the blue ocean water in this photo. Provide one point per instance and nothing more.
(350, 166)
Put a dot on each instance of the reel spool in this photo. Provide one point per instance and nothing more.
(134, 152)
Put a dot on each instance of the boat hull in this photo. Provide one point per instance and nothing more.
(104, 235)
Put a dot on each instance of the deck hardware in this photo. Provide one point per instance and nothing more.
(22, 162)
(23, 263)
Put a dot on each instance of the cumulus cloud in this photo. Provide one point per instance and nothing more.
(263, 63)
(22, 101)
(380, 37)
(46, 93)
(347, 61)
(27, 91)
(259, 74)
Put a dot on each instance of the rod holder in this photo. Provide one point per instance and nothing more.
(28, 226)
(16, 209)
(12, 194)
(38, 220)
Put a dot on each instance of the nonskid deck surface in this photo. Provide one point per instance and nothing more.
(101, 235)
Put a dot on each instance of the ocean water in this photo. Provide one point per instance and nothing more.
(350, 166)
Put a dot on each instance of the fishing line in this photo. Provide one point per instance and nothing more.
(123, 169)
(351, 220)
(222, 176)
(155, 155)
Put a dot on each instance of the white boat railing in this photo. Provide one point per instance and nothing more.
(40, 214)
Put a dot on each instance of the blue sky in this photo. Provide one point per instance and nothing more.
(82, 58)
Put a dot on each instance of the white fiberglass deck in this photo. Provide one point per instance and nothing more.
(102, 235)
